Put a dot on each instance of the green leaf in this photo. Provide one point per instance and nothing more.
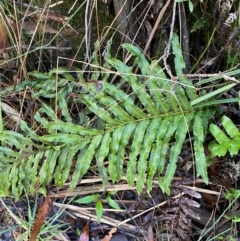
(212, 94)
(182, 99)
(140, 60)
(144, 153)
(200, 158)
(218, 134)
(137, 87)
(63, 138)
(103, 152)
(64, 107)
(113, 157)
(3, 194)
(112, 203)
(6, 180)
(235, 146)
(40, 119)
(51, 166)
(44, 168)
(38, 75)
(13, 180)
(135, 147)
(28, 131)
(59, 70)
(33, 176)
(88, 199)
(190, 5)
(166, 130)
(235, 219)
(47, 110)
(67, 127)
(11, 137)
(157, 93)
(153, 163)
(99, 210)
(106, 65)
(82, 166)
(100, 112)
(180, 136)
(113, 107)
(177, 51)
(125, 139)
(96, 72)
(218, 150)
(65, 162)
(232, 194)
(230, 128)
(125, 101)
(9, 152)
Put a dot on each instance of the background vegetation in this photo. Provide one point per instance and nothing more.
(123, 92)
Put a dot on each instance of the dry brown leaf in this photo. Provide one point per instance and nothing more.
(192, 193)
(44, 16)
(5, 56)
(150, 233)
(47, 16)
(189, 211)
(4, 41)
(84, 236)
(12, 113)
(43, 212)
(188, 165)
(30, 28)
(52, 16)
(6, 63)
(190, 202)
(109, 235)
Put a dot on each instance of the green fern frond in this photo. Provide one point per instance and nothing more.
(200, 158)
(133, 132)
(180, 65)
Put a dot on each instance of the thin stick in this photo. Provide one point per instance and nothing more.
(88, 215)
(160, 16)
(152, 208)
(167, 49)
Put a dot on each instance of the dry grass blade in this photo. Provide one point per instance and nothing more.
(83, 213)
(150, 209)
(94, 189)
(13, 216)
(202, 190)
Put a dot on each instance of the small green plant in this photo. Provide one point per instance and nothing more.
(230, 232)
(200, 23)
(232, 58)
(232, 194)
(190, 4)
(96, 198)
(23, 227)
(227, 140)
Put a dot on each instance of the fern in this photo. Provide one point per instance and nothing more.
(139, 126)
